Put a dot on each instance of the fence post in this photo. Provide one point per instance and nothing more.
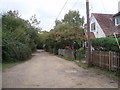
(100, 59)
(92, 57)
(118, 63)
(109, 61)
(98, 55)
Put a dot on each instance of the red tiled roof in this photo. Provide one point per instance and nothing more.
(117, 30)
(91, 35)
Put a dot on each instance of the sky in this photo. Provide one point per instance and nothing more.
(47, 10)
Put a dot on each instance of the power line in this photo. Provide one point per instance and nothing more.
(62, 8)
(60, 11)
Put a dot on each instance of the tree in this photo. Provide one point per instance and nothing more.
(59, 38)
(35, 23)
(19, 38)
(61, 27)
(14, 13)
(73, 18)
(34, 20)
(82, 20)
(57, 22)
(65, 32)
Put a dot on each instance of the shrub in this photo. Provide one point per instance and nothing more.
(13, 51)
(66, 37)
(81, 53)
(106, 44)
(19, 38)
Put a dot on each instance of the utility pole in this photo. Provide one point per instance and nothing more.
(88, 32)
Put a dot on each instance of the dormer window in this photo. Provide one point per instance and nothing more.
(93, 26)
(117, 20)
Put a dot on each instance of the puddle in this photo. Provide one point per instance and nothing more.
(71, 71)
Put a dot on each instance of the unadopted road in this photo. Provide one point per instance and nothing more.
(45, 70)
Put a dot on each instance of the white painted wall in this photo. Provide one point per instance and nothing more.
(98, 32)
(119, 6)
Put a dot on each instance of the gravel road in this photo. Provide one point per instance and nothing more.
(45, 70)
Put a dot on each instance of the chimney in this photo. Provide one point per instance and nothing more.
(119, 6)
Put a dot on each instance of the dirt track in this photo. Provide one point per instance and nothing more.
(45, 70)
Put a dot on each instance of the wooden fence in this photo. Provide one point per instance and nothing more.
(108, 60)
(66, 53)
(70, 53)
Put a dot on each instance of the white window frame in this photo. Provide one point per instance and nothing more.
(117, 20)
(93, 28)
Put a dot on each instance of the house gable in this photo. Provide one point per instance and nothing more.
(106, 22)
(117, 24)
(96, 28)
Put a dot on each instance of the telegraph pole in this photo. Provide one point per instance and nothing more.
(88, 32)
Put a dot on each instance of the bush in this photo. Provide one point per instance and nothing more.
(57, 39)
(19, 38)
(13, 51)
(106, 44)
(81, 53)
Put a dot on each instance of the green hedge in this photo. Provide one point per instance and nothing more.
(106, 44)
(13, 51)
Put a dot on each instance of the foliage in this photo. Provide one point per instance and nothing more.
(64, 37)
(65, 32)
(34, 20)
(105, 44)
(57, 22)
(14, 13)
(81, 53)
(61, 27)
(73, 18)
(34, 23)
(14, 50)
(19, 38)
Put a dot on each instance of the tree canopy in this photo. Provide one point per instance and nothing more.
(22, 37)
(73, 18)
(19, 37)
(65, 32)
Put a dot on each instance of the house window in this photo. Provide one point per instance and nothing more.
(93, 26)
(117, 20)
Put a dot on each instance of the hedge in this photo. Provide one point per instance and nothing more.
(13, 51)
(106, 44)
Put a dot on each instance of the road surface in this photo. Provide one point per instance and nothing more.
(45, 70)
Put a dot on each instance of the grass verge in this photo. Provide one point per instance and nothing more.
(10, 64)
(96, 69)
(69, 59)
(99, 70)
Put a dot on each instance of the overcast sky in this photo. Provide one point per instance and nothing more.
(47, 10)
